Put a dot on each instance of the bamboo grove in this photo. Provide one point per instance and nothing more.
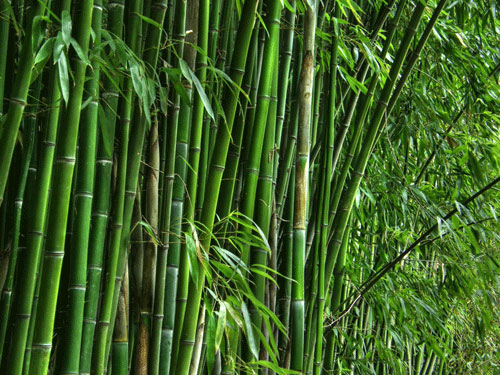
(245, 186)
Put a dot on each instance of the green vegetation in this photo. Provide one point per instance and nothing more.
(249, 187)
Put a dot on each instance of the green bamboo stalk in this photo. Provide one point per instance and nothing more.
(177, 248)
(4, 43)
(137, 136)
(287, 157)
(122, 205)
(213, 185)
(8, 132)
(264, 193)
(301, 191)
(148, 268)
(194, 160)
(171, 272)
(259, 127)
(327, 172)
(284, 72)
(348, 196)
(176, 164)
(362, 111)
(99, 351)
(223, 37)
(23, 301)
(119, 361)
(56, 231)
(221, 61)
(101, 201)
(31, 331)
(29, 145)
(213, 33)
(82, 216)
(229, 178)
(285, 289)
(335, 301)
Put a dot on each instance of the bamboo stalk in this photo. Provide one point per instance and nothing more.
(214, 180)
(301, 192)
(101, 201)
(56, 231)
(82, 216)
(8, 132)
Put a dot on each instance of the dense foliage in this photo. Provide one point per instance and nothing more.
(229, 186)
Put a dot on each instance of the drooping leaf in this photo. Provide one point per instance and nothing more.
(62, 65)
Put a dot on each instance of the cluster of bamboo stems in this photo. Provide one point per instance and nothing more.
(177, 181)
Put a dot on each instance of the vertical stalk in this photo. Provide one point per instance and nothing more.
(82, 216)
(102, 198)
(301, 191)
(59, 208)
(213, 184)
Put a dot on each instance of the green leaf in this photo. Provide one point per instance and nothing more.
(186, 71)
(41, 58)
(45, 51)
(202, 94)
(58, 47)
(137, 82)
(221, 324)
(174, 75)
(79, 51)
(210, 332)
(37, 34)
(252, 343)
(288, 6)
(193, 258)
(106, 131)
(62, 65)
(66, 27)
(150, 231)
(149, 20)
(163, 100)
(274, 367)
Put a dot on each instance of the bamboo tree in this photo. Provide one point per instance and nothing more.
(360, 164)
(213, 184)
(8, 133)
(4, 42)
(28, 150)
(176, 162)
(259, 126)
(301, 191)
(101, 201)
(82, 216)
(23, 302)
(119, 222)
(56, 232)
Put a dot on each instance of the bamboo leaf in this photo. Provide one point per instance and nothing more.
(252, 343)
(202, 94)
(62, 65)
(149, 20)
(79, 51)
(58, 47)
(174, 75)
(193, 258)
(66, 27)
(45, 52)
(37, 34)
(210, 336)
(186, 71)
(221, 324)
(150, 231)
